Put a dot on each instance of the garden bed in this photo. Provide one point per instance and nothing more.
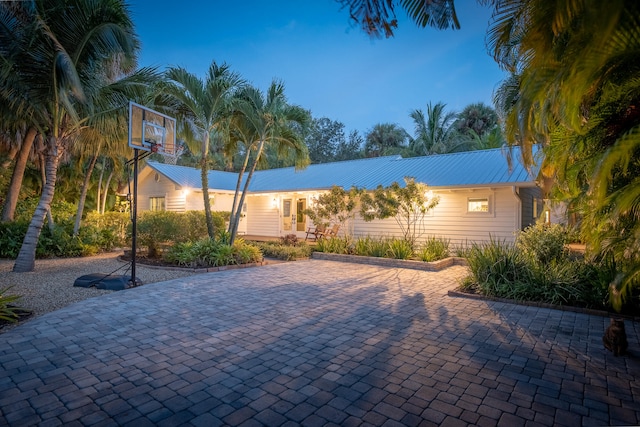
(390, 262)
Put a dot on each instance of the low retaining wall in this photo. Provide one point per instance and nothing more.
(389, 262)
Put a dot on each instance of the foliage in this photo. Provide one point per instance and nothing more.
(504, 270)
(408, 205)
(378, 18)
(385, 139)
(9, 312)
(544, 243)
(478, 119)
(337, 206)
(400, 249)
(259, 120)
(287, 251)
(209, 252)
(289, 240)
(434, 131)
(156, 229)
(327, 142)
(371, 246)
(434, 249)
(112, 225)
(335, 245)
(574, 89)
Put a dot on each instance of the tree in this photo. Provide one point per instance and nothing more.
(385, 139)
(433, 131)
(337, 206)
(407, 204)
(203, 107)
(351, 148)
(54, 56)
(574, 90)
(323, 138)
(260, 120)
(477, 118)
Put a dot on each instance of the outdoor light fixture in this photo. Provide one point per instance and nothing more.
(274, 203)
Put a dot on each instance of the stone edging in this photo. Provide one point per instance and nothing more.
(582, 310)
(389, 262)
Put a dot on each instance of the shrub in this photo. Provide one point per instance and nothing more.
(504, 270)
(8, 312)
(11, 237)
(399, 249)
(212, 252)
(289, 240)
(544, 242)
(284, 252)
(434, 249)
(112, 226)
(335, 245)
(371, 246)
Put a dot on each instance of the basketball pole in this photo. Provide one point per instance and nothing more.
(134, 217)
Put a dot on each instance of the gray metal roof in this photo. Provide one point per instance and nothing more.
(467, 169)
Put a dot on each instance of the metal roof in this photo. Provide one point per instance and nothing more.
(466, 169)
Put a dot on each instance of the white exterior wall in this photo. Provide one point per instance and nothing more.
(451, 220)
(149, 186)
(263, 219)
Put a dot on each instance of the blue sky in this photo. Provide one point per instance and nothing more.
(327, 65)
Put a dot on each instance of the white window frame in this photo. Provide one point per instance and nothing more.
(157, 198)
(478, 197)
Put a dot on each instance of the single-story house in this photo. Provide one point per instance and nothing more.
(481, 195)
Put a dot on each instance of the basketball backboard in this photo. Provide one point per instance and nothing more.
(151, 131)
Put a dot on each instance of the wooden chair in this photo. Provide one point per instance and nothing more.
(316, 232)
(332, 232)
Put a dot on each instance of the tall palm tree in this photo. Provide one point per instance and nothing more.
(261, 120)
(433, 131)
(203, 107)
(50, 65)
(574, 89)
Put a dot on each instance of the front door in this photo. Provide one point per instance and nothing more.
(301, 223)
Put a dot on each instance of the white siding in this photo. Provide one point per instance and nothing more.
(451, 220)
(263, 219)
(149, 186)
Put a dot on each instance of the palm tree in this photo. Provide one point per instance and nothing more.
(574, 90)
(261, 120)
(477, 118)
(377, 17)
(385, 139)
(434, 131)
(50, 53)
(203, 107)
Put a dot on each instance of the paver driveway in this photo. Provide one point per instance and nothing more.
(313, 343)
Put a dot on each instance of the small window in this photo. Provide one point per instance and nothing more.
(156, 203)
(478, 204)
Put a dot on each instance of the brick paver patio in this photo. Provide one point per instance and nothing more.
(314, 343)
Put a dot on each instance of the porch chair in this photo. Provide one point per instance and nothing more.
(332, 232)
(316, 232)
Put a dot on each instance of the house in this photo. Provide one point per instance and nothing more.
(480, 195)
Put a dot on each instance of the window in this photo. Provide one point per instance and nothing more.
(156, 203)
(478, 204)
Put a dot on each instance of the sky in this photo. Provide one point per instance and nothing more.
(327, 64)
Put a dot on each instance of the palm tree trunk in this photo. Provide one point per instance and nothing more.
(232, 225)
(236, 219)
(13, 192)
(27, 256)
(204, 173)
(106, 190)
(83, 193)
(99, 190)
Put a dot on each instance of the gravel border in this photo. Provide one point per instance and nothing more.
(50, 286)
